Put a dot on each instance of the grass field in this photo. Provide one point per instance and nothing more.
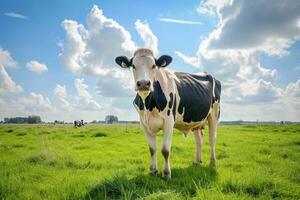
(106, 162)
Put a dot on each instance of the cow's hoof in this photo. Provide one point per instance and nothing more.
(153, 172)
(166, 177)
(197, 163)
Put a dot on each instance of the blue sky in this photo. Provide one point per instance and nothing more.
(259, 67)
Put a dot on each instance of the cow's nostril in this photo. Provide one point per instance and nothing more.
(148, 83)
(138, 84)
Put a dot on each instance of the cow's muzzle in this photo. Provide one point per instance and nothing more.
(143, 85)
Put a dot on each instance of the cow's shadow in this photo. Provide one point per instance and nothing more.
(184, 180)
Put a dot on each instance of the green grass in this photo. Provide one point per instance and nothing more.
(106, 162)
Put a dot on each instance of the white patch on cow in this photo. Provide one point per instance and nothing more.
(171, 74)
(124, 65)
(143, 70)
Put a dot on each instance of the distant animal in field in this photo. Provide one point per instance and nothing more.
(166, 100)
(78, 123)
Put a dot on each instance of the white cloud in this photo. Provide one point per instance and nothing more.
(7, 85)
(74, 47)
(6, 59)
(147, 35)
(36, 67)
(35, 102)
(116, 84)
(259, 31)
(91, 51)
(293, 89)
(232, 56)
(232, 50)
(179, 21)
(60, 93)
(283, 109)
(84, 98)
(15, 15)
(206, 10)
(253, 92)
(194, 61)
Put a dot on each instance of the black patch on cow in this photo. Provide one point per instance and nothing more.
(152, 151)
(174, 108)
(171, 100)
(163, 61)
(139, 102)
(165, 153)
(168, 112)
(123, 59)
(156, 99)
(196, 96)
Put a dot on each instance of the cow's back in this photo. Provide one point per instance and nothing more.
(196, 95)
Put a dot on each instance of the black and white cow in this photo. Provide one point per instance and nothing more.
(166, 100)
(78, 123)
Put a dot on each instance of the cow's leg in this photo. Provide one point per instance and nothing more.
(166, 148)
(151, 138)
(198, 135)
(212, 125)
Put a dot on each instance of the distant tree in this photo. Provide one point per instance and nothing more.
(33, 119)
(110, 119)
(6, 120)
(58, 122)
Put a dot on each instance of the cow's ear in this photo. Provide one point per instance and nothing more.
(123, 61)
(163, 61)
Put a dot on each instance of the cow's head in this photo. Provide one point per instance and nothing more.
(144, 65)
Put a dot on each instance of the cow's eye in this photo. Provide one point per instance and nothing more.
(133, 66)
(153, 66)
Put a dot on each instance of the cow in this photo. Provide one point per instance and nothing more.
(166, 100)
(78, 123)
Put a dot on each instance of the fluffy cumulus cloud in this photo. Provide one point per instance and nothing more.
(271, 29)
(60, 93)
(91, 51)
(147, 35)
(231, 51)
(7, 84)
(36, 66)
(194, 61)
(84, 98)
(35, 102)
(293, 89)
